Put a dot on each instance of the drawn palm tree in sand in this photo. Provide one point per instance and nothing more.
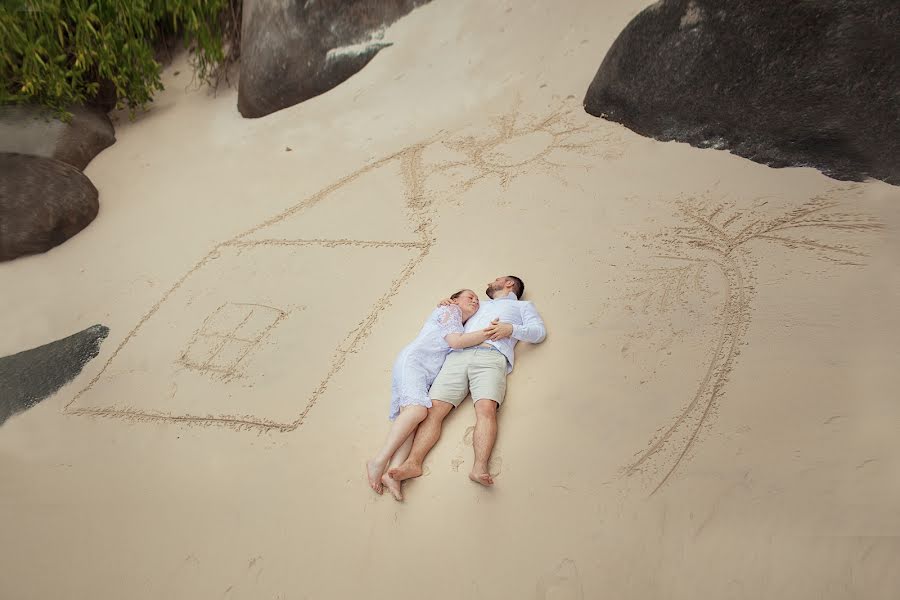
(719, 237)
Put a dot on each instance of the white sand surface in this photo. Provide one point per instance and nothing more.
(713, 414)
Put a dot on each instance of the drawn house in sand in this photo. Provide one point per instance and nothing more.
(256, 314)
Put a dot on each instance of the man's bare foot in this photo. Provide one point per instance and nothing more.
(393, 487)
(482, 478)
(405, 471)
(373, 474)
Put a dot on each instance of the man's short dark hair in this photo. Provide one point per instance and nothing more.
(518, 286)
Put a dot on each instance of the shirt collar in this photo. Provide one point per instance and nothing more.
(509, 296)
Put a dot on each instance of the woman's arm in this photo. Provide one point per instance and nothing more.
(458, 341)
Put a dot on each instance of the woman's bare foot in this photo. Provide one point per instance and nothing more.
(405, 471)
(373, 474)
(484, 478)
(393, 487)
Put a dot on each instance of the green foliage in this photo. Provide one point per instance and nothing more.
(57, 52)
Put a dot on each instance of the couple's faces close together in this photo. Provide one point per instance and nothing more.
(467, 300)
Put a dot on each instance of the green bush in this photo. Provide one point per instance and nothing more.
(57, 52)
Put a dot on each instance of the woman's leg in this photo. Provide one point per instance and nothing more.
(400, 455)
(405, 423)
(402, 452)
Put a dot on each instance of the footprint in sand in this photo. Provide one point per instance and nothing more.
(563, 583)
(469, 435)
(458, 458)
(494, 466)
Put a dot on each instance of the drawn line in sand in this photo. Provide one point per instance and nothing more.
(564, 581)
(325, 243)
(716, 235)
(489, 156)
(495, 464)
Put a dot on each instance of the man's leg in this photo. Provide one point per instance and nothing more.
(427, 435)
(488, 383)
(484, 439)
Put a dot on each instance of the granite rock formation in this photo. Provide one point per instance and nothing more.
(293, 50)
(34, 130)
(782, 83)
(28, 377)
(43, 202)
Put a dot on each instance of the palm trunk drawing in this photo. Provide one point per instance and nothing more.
(707, 239)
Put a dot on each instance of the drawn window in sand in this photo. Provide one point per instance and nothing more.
(227, 336)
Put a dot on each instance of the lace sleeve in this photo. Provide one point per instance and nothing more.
(450, 320)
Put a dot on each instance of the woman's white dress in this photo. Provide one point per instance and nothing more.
(418, 363)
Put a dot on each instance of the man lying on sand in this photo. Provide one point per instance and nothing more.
(481, 368)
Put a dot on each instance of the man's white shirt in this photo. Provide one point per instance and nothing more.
(525, 320)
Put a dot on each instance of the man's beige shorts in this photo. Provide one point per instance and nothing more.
(481, 370)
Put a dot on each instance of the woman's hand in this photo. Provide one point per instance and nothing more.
(445, 302)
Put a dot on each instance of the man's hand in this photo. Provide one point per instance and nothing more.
(497, 331)
(445, 302)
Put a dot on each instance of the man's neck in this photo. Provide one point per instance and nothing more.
(499, 295)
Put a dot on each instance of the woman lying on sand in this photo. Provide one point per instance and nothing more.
(414, 371)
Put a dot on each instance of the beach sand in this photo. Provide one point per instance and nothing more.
(712, 415)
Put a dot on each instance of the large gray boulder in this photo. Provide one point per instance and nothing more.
(293, 50)
(794, 83)
(34, 130)
(43, 202)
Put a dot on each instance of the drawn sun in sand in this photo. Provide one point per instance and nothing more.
(518, 144)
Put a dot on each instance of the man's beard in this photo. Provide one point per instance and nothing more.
(490, 292)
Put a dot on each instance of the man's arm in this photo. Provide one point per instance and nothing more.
(532, 329)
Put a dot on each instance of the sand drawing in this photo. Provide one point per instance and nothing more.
(246, 333)
(715, 242)
(520, 145)
(564, 582)
(227, 336)
(495, 464)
